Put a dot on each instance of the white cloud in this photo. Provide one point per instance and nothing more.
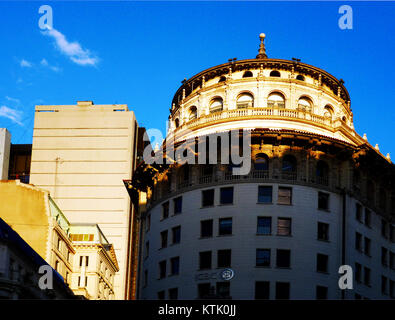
(17, 101)
(45, 63)
(12, 114)
(25, 64)
(73, 50)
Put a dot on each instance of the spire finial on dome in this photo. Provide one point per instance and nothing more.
(262, 49)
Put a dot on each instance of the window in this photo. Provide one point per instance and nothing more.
(358, 212)
(368, 217)
(392, 289)
(216, 104)
(261, 162)
(384, 255)
(358, 272)
(165, 210)
(275, 73)
(305, 103)
(263, 257)
(245, 100)
(262, 290)
(226, 195)
(322, 263)
(148, 225)
(392, 260)
(321, 293)
(173, 293)
(366, 278)
(176, 232)
(283, 258)
(384, 228)
(289, 164)
(145, 278)
(204, 290)
(322, 173)
(163, 239)
(59, 244)
(177, 122)
(300, 77)
(208, 198)
(282, 290)
(147, 249)
(223, 289)
(284, 226)
(247, 74)
(265, 194)
(175, 265)
(323, 231)
(284, 195)
(192, 113)
(384, 281)
(224, 258)
(264, 225)
(276, 100)
(162, 269)
(206, 228)
(358, 241)
(86, 260)
(225, 226)
(177, 205)
(367, 246)
(57, 265)
(205, 260)
(161, 295)
(323, 201)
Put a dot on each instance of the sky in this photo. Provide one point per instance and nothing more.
(137, 53)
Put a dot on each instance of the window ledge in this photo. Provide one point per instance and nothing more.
(284, 204)
(226, 204)
(264, 234)
(208, 237)
(283, 268)
(205, 207)
(284, 235)
(323, 240)
(325, 210)
(225, 235)
(267, 203)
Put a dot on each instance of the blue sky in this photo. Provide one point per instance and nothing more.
(137, 53)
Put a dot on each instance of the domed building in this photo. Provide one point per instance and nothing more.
(318, 195)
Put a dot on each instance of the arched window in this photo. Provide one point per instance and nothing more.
(276, 99)
(192, 113)
(177, 122)
(300, 77)
(222, 79)
(328, 112)
(322, 172)
(247, 74)
(261, 162)
(289, 168)
(275, 73)
(216, 105)
(305, 103)
(245, 100)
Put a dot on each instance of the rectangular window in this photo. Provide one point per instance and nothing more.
(358, 212)
(165, 210)
(368, 217)
(226, 195)
(147, 249)
(176, 234)
(262, 290)
(322, 263)
(203, 290)
(282, 290)
(392, 289)
(283, 258)
(384, 256)
(163, 239)
(263, 257)
(206, 228)
(59, 244)
(323, 231)
(284, 226)
(358, 241)
(366, 276)
(224, 258)
(145, 278)
(223, 289)
(177, 205)
(358, 272)
(384, 281)
(384, 228)
(148, 225)
(323, 201)
(392, 260)
(264, 225)
(161, 295)
(284, 195)
(367, 246)
(265, 194)
(173, 294)
(225, 226)
(205, 260)
(162, 269)
(321, 293)
(208, 198)
(175, 265)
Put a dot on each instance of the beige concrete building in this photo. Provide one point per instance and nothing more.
(81, 153)
(95, 263)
